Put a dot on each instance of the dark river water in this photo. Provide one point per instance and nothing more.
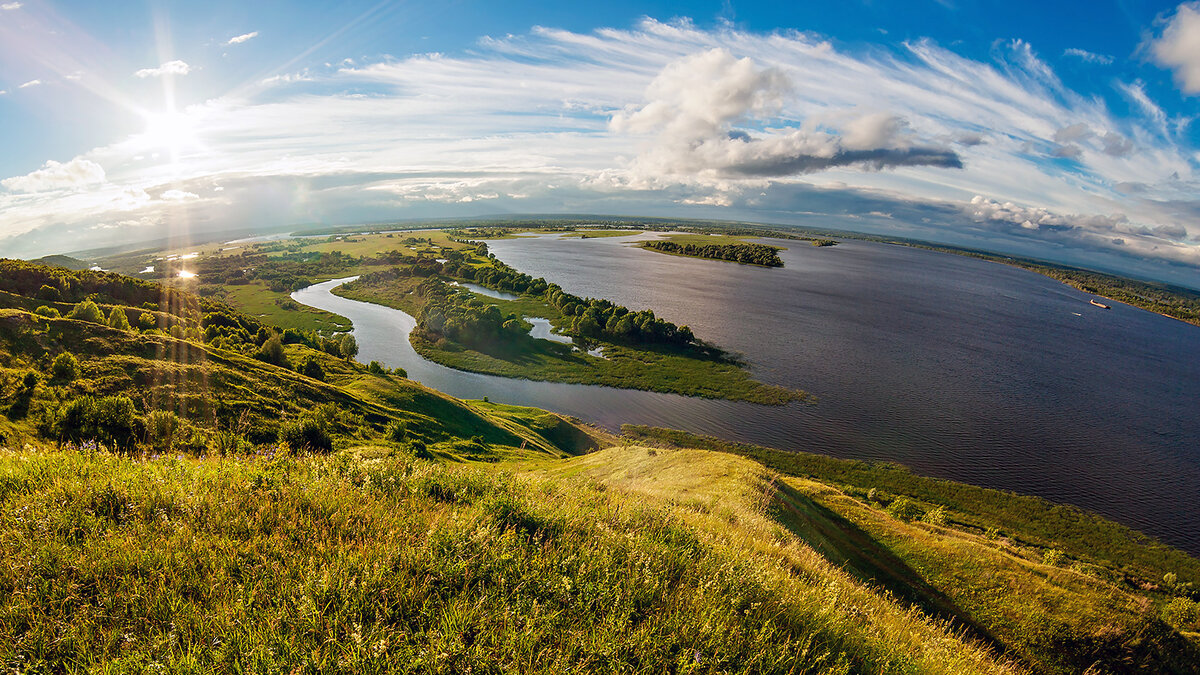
(956, 367)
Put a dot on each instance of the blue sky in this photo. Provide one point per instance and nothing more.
(1040, 128)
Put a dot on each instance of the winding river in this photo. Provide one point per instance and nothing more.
(956, 367)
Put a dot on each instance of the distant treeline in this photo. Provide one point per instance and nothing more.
(748, 254)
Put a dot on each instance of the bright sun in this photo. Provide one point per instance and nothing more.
(170, 131)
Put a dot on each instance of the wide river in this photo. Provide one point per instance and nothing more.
(956, 367)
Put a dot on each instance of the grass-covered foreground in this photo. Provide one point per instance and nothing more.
(316, 564)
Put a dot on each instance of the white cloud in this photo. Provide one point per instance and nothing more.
(704, 113)
(1178, 48)
(11, 6)
(175, 67)
(178, 196)
(242, 38)
(31, 83)
(3, 92)
(53, 175)
(1089, 57)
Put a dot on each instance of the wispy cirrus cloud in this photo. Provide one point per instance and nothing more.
(175, 67)
(1089, 57)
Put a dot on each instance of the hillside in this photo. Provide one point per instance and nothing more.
(183, 487)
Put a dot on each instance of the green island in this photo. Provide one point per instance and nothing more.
(746, 254)
(187, 488)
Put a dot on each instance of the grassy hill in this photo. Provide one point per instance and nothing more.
(195, 491)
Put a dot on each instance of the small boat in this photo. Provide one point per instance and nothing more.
(1101, 305)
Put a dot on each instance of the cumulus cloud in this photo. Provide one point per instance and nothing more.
(11, 6)
(1089, 57)
(175, 67)
(1116, 145)
(1080, 228)
(705, 114)
(1178, 48)
(53, 175)
(239, 39)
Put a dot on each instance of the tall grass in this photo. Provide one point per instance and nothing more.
(317, 564)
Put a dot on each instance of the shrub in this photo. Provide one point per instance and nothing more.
(272, 352)
(1181, 613)
(146, 321)
(376, 368)
(118, 320)
(228, 443)
(161, 429)
(65, 367)
(47, 292)
(905, 509)
(396, 431)
(111, 420)
(87, 311)
(30, 380)
(48, 312)
(1052, 556)
(306, 434)
(313, 369)
(935, 517)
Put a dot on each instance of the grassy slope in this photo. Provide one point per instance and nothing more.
(338, 563)
(1052, 619)
(194, 380)
(1025, 522)
(623, 367)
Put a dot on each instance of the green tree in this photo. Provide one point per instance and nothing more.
(348, 346)
(118, 320)
(47, 292)
(376, 368)
(146, 321)
(111, 420)
(312, 368)
(65, 367)
(87, 311)
(48, 312)
(272, 352)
